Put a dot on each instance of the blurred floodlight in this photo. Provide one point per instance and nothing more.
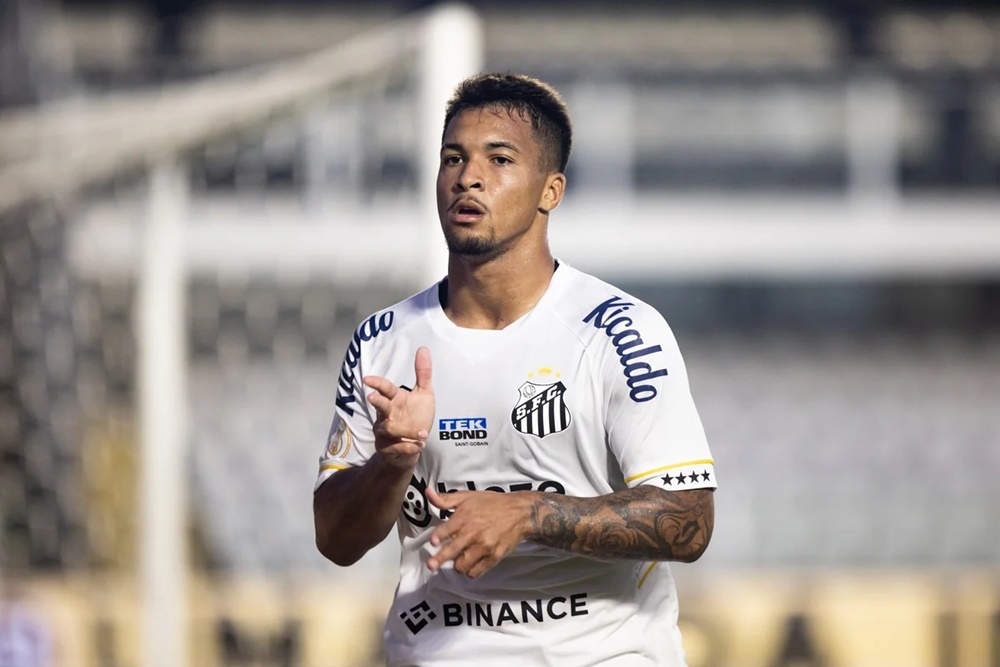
(913, 40)
(968, 40)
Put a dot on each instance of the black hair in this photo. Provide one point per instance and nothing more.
(531, 99)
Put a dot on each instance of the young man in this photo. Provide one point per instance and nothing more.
(558, 456)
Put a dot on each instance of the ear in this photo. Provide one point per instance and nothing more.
(552, 193)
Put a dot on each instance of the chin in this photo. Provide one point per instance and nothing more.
(472, 246)
(474, 251)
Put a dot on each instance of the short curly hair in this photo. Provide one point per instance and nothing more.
(531, 99)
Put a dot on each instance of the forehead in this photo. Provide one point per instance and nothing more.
(476, 127)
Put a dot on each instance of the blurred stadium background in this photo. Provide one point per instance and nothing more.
(199, 200)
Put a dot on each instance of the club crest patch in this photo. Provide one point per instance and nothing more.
(341, 439)
(541, 408)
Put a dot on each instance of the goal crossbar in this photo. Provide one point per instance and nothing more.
(58, 151)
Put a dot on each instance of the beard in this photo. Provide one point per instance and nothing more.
(481, 247)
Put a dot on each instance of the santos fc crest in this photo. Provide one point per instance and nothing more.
(541, 408)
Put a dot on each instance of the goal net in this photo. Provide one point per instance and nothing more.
(181, 272)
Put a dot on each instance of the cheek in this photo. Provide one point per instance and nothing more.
(520, 191)
(443, 191)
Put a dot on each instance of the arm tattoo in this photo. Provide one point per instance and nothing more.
(642, 523)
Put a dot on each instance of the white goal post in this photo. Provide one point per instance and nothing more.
(58, 152)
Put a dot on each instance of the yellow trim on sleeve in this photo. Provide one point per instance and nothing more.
(699, 462)
(332, 466)
(645, 574)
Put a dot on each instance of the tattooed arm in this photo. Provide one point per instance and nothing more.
(642, 523)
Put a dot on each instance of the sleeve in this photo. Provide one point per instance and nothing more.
(351, 441)
(652, 424)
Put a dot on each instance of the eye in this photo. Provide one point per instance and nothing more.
(451, 159)
(502, 159)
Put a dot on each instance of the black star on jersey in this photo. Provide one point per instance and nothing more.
(705, 476)
(682, 478)
(668, 480)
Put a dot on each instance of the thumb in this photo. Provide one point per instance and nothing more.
(445, 501)
(422, 369)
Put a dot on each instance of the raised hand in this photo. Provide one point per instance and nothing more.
(484, 527)
(404, 418)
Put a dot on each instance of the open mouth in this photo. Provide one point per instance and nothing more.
(466, 211)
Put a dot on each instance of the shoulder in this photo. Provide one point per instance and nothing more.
(388, 324)
(599, 312)
(374, 343)
(630, 340)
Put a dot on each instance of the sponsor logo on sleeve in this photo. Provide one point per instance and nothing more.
(610, 318)
(369, 330)
(541, 408)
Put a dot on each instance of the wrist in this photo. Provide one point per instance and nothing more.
(533, 505)
(397, 464)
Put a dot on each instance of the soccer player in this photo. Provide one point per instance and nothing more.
(527, 428)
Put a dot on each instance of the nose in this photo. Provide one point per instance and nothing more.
(470, 178)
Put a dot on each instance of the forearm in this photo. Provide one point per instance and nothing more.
(642, 523)
(356, 508)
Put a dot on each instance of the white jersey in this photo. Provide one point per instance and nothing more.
(584, 395)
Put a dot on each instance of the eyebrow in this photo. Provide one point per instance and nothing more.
(493, 145)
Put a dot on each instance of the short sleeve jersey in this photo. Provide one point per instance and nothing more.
(585, 395)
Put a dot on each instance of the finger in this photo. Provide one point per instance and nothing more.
(422, 369)
(448, 552)
(468, 561)
(445, 501)
(380, 403)
(382, 386)
(481, 566)
(445, 532)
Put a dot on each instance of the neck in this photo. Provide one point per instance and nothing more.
(494, 293)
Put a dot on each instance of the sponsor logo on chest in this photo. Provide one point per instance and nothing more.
(495, 614)
(464, 432)
(417, 510)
